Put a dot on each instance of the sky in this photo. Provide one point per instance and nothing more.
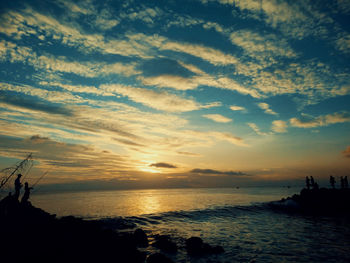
(195, 93)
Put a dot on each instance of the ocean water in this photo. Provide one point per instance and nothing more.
(239, 220)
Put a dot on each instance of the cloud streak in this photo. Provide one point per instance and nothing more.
(216, 172)
(217, 118)
(163, 165)
(308, 121)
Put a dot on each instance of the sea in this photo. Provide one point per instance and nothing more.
(238, 219)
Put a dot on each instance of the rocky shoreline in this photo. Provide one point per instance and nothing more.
(30, 233)
(323, 201)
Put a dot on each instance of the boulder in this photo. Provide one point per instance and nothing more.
(158, 258)
(140, 238)
(164, 243)
(196, 246)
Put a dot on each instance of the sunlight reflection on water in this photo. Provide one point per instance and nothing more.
(99, 204)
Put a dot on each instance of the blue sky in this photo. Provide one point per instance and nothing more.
(177, 92)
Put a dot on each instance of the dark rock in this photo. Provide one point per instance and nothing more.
(140, 238)
(330, 202)
(158, 258)
(68, 239)
(164, 243)
(196, 246)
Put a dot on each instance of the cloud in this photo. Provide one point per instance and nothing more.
(77, 89)
(346, 153)
(189, 154)
(279, 126)
(158, 100)
(228, 137)
(146, 14)
(308, 121)
(217, 118)
(71, 160)
(82, 8)
(230, 84)
(266, 108)
(31, 22)
(49, 63)
(32, 103)
(237, 108)
(266, 47)
(343, 43)
(170, 81)
(295, 19)
(211, 55)
(163, 165)
(216, 172)
(256, 128)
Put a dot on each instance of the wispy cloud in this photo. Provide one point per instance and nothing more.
(170, 81)
(71, 159)
(216, 172)
(292, 18)
(211, 55)
(237, 108)
(279, 126)
(266, 48)
(217, 118)
(224, 136)
(163, 165)
(255, 128)
(266, 108)
(343, 43)
(308, 121)
(158, 100)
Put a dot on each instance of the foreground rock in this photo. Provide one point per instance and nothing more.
(140, 238)
(164, 243)
(330, 202)
(158, 258)
(31, 234)
(196, 247)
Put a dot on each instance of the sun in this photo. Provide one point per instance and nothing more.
(146, 167)
(149, 170)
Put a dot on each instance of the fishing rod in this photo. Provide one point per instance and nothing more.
(19, 166)
(28, 170)
(41, 177)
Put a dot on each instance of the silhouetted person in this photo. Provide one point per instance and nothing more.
(316, 186)
(26, 194)
(341, 182)
(18, 186)
(312, 182)
(332, 181)
(346, 184)
(307, 180)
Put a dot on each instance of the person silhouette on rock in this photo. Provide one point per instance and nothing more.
(307, 180)
(26, 194)
(346, 184)
(312, 182)
(332, 181)
(18, 186)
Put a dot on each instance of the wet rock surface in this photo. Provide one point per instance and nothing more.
(323, 201)
(164, 243)
(196, 247)
(158, 258)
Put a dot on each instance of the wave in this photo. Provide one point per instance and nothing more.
(208, 214)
